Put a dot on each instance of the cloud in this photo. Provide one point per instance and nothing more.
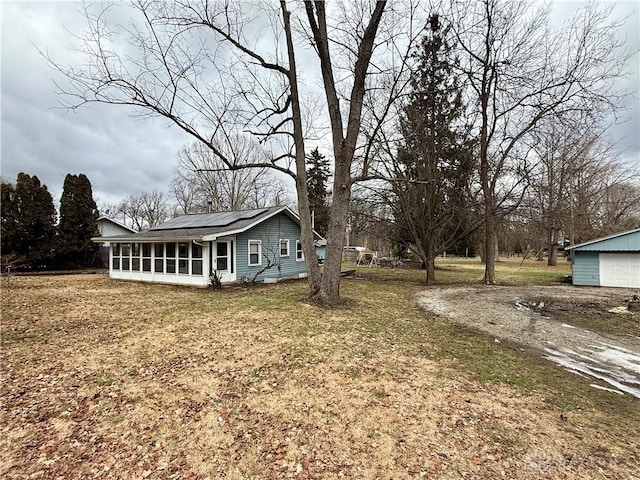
(119, 153)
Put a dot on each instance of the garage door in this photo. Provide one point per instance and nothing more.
(620, 270)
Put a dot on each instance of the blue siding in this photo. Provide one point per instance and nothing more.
(629, 242)
(270, 232)
(586, 268)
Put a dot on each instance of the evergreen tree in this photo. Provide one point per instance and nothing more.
(28, 221)
(78, 223)
(434, 165)
(8, 235)
(318, 173)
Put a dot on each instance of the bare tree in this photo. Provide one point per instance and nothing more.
(203, 181)
(214, 69)
(559, 147)
(520, 71)
(185, 191)
(578, 189)
(603, 196)
(144, 210)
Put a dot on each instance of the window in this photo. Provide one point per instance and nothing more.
(183, 266)
(146, 257)
(126, 256)
(284, 247)
(196, 259)
(183, 255)
(158, 250)
(255, 252)
(171, 257)
(115, 253)
(135, 257)
(299, 253)
(171, 265)
(222, 256)
(196, 267)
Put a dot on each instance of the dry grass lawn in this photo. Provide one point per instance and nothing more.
(112, 379)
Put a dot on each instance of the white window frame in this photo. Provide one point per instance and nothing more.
(286, 240)
(299, 252)
(254, 242)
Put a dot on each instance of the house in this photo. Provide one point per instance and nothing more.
(108, 227)
(612, 261)
(321, 249)
(238, 246)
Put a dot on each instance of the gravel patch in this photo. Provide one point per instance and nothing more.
(505, 313)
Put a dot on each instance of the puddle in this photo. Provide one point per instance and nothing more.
(616, 366)
(528, 307)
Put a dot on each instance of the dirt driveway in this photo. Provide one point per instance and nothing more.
(518, 314)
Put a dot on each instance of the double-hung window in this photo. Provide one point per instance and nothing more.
(171, 257)
(183, 258)
(299, 253)
(158, 250)
(126, 256)
(115, 253)
(284, 247)
(135, 257)
(146, 257)
(196, 259)
(255, 253)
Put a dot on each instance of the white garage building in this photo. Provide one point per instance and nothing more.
(612, 261)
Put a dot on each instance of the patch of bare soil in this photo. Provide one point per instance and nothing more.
(518, 314)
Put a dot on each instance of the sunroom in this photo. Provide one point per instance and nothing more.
(240, 246)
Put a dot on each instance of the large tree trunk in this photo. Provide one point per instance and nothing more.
(306, 228)
(329, 293)
(343, 145)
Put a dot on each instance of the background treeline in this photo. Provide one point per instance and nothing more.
(34, 238)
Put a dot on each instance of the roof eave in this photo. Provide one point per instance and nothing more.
(187, 238)
(602, 239)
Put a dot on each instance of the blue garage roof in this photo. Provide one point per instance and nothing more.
(619, 242)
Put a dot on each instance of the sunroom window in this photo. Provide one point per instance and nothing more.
(183, 258)
(196, 259)
(158, 250)
(146, 257)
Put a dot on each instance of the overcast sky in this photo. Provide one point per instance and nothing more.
(121, 154)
